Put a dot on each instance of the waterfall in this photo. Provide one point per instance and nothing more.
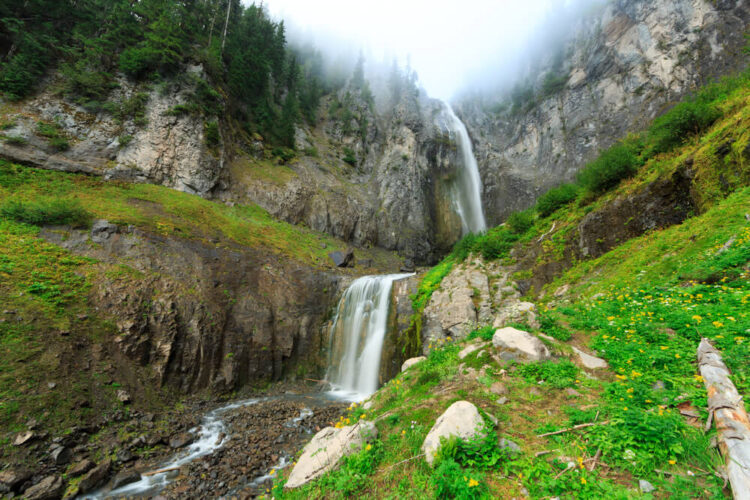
(466, 191)
(357, 336)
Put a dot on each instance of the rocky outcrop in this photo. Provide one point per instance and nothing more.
(153, 144)
(201, 316)
(461, 419)
(327, 448)
(621, 67)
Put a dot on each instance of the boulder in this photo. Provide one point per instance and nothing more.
(461, 419)
(411, 362)
(49, 488)
(61, 455)
(13, 478)
(327, 448)
(95, 477)
(589, 361)
(516, 312)
(23, 437)
(523, 342)
(180, 440)
(342, 259)
(509, 445)
(125, 477)
(81, 467)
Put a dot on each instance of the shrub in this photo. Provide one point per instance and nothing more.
(16, 140)
(556, 198)
(553, 329)
(453, 482)
(212, 136)
(54, 211)
(484, 333)
(553, 83)
(520, 222)
(60, 143)
(124, 140)
(613, 165)
(48, 130)
(350, 157)
(560, 374)
(682, 121)
(464, 247)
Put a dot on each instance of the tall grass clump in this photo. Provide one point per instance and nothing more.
(43, 212)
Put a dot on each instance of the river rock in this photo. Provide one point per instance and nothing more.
(180, 440)
(523, 342)
(327, 448)
(125, 477)
(589, 361)
(49, 488)
(461, 419)
(95, 477)
(411, 362)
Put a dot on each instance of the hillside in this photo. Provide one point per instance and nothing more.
(641, 304)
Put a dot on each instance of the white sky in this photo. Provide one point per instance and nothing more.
(448, 42)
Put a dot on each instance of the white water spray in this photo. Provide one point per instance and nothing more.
(466, 191)
(357, 336)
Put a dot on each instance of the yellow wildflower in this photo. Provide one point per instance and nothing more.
(368, 447)
(473, 482)
(672, 462)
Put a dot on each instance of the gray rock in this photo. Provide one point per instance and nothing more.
(49, 488)
(81, 467)
(645, 486)
(61, 455)
(125, 477)
(181, 440)
(589, 361)
(523, 342)
(468, 350)
(12, 479)
(23, 438)
(95, 477)
(102, 230)
(342, 259)
(327, 448)
(411, 362)
(124, 456)
(461, 419)
(123, 396)
(510, 445)
(572, 392)
(499, 389)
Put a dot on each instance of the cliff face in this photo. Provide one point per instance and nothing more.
(623, 66)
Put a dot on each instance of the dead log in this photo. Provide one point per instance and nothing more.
(726, 407)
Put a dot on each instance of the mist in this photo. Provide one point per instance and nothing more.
(463, 47)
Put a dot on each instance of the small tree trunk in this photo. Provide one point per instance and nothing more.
(726, 407)
(226, 25)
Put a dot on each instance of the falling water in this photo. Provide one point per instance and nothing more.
(357, 337)
(466, 191)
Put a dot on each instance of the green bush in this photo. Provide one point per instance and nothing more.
(684, 120)
(553, 329)
(212, 136)
(520, 222)
(556, 198)
(350, 157)
(485, 333)
(53, 211)
(560, 374)
(59, 143)
(453, 482)
(138, 61)
(464, 247)
(16, 140)
(613, 165)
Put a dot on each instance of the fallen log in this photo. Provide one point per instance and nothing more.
(726, 408)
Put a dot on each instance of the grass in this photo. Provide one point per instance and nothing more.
(171, 213)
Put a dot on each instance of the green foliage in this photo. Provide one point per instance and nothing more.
(15, 140)
(350, 157)
(211, 134)
(51, 211)
(481, 452)
(558, 374)
(556, 198)
(613, 165)
(551, 327)
(453, 482)
(681, 122)
(485, 333)
(553, 83)
(520, 222)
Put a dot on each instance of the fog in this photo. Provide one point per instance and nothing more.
(453, 47)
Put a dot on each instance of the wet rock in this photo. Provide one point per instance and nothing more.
(102, 230)
(327, 448)
(461, 419)
(181, 440)
(645, 486)
(589, 361)
(81, 467)
(509, 445)
(12, 479)
(411, 362)
(523, 342)
(95, 477)
(61, 455)
(23, 438)
(125, 477)
(49, 488)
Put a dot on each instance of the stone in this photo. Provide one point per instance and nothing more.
(102, 230)
(180, 440)
(645, 486)
(499, 389)
(125, 477)
(51, 385)
(509, 445)
(81, 467)
(23, 437)
(523, 342)
(14, 478)
(327, 448)
(516, 312)
(411, 362)
(461, 419)
(589, 361)
(61, 455)
(124, 456)
(367, 405)
(468, 350)
(123, 396)
(49, 488)
(572, 392)
(95, 477)
(342, 259)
